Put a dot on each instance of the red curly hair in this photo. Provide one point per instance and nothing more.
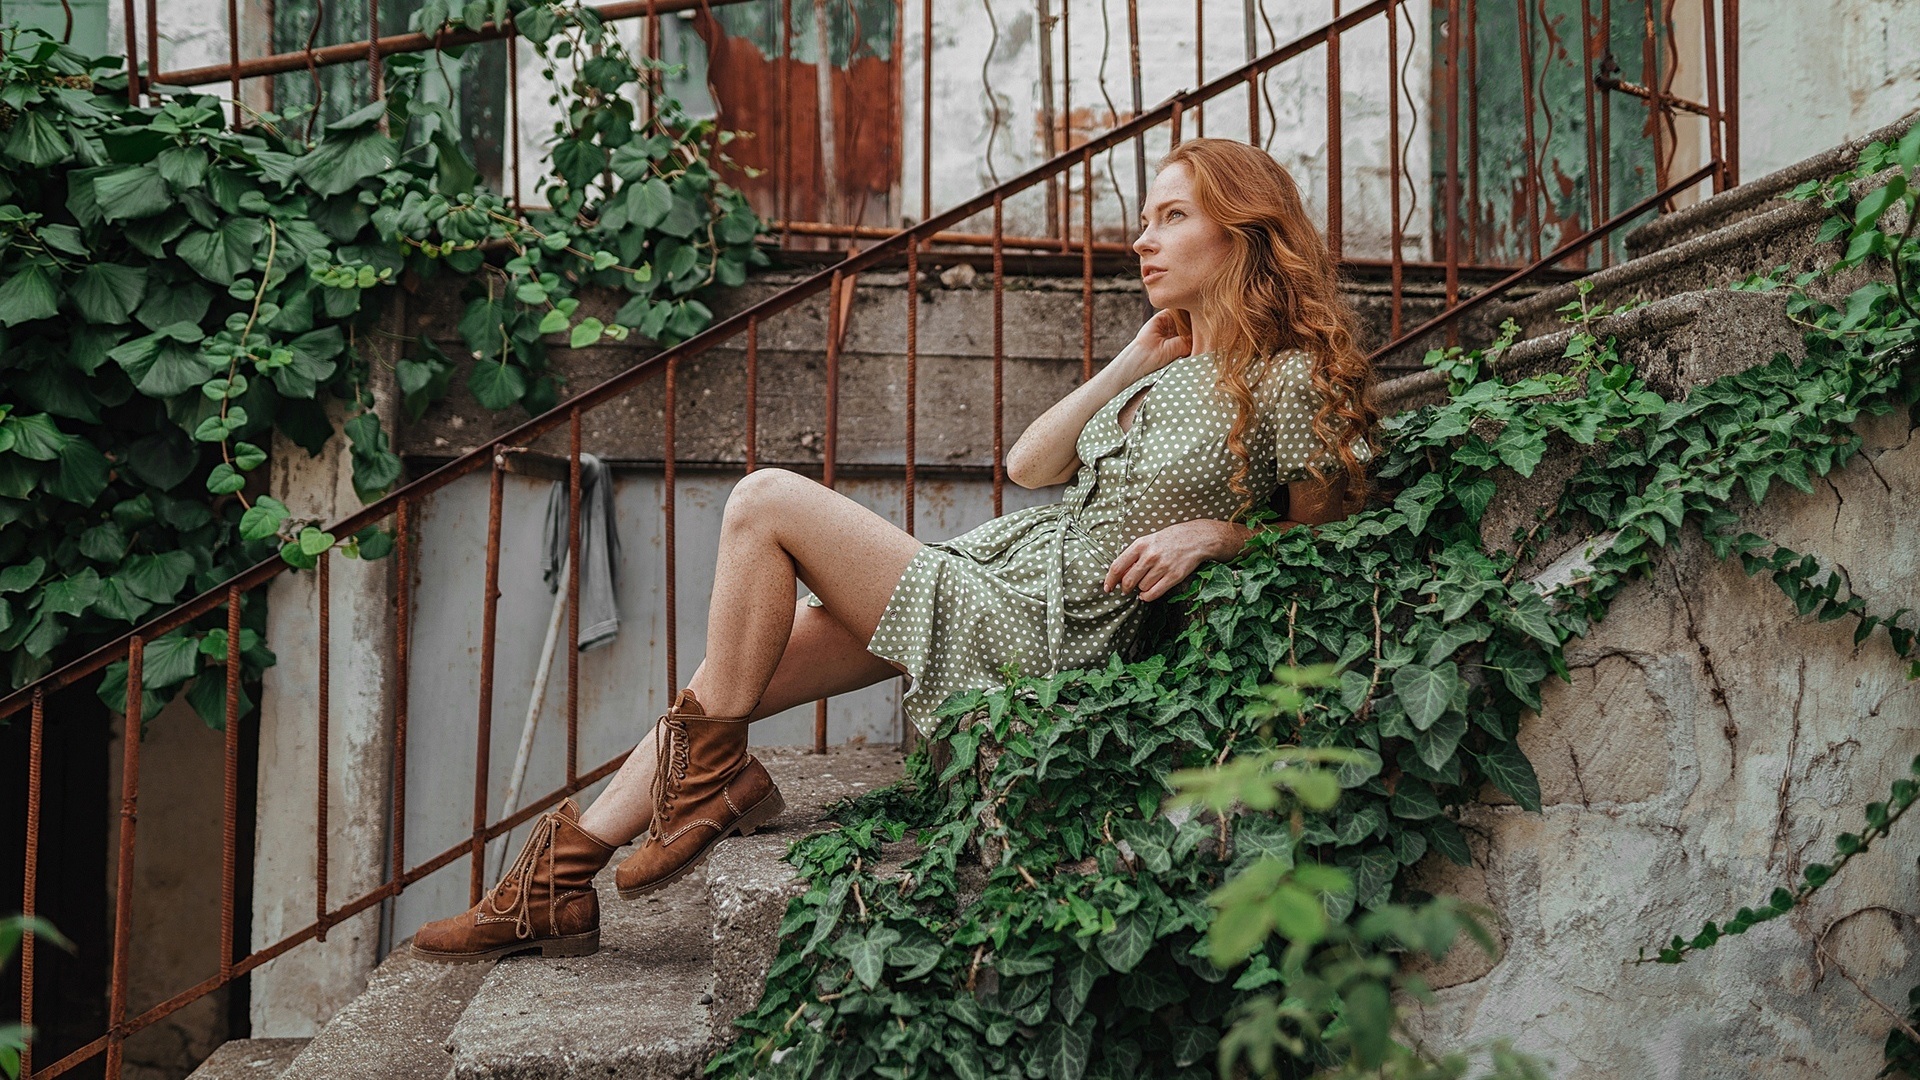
(1278, 291)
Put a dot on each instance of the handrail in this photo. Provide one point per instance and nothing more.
(1605, 228)
(263, 571)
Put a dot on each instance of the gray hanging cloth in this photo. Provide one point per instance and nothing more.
(599, 550)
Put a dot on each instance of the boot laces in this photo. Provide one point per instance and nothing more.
(521, 876)
(670, 761)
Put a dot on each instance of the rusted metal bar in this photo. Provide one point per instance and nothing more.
(30, 878)
(669, 499)
(153, 43)
(1086, 269)
(1000, 354)
(1396, 234)
(372, 48)
(1173, 127)
(322, 697)
(1335, 208)
(1606, 125)
(1472, 225)
(1649, 70)
(513, 118)
(926, 109)
(1047, 118)
(1066, 124)
(1657, 99)
(1711, 67)
(1500, 287)
(133, 53)
(783, 124)
(753, 392)
(573, 591)
(376, 83)
(863, 232)
(233, 55)
(1139, 140)
(721, 331)
(913, 371)
(1731, 39)
(230, 788)
(133, 720)
(483, 723)
(1588, 79)
(1451, 88)
(831, 449)
(1200, 63)
(1529, 177)
(402, 621)
(1253, 84)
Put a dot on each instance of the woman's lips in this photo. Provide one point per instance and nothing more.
(1149, 275)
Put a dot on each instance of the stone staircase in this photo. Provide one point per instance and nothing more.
(1680, 267)
(672, 972)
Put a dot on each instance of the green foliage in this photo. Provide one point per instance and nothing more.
(172, 294)
(1255, 921)
(14, 1037)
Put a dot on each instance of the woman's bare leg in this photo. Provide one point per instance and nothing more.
(776, 527)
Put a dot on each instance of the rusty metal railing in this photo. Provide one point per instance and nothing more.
(1054, 179)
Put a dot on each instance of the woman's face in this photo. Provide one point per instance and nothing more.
(1181, 249)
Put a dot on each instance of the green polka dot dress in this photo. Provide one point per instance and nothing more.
(1025, 588)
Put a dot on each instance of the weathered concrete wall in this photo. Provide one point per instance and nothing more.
(1710, 746)
(176, 887)
(295, 993)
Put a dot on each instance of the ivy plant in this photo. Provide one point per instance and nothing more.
(1115, 930)
(174, 293)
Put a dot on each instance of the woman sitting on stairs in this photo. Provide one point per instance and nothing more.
(1257, 384)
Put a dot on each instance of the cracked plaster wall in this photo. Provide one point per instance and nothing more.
(1710, 746)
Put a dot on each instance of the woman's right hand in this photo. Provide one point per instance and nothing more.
(1158, 344)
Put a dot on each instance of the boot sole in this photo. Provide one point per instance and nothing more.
(759, 814)
(566, 945)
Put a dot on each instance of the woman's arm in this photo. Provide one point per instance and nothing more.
(1157, 563)
(1044, 454)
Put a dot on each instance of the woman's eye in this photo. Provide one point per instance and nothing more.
(1171, 213)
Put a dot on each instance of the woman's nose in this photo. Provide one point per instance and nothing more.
(1141, 244)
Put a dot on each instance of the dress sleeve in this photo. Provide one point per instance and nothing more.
(1288, 402)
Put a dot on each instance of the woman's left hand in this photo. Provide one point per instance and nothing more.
(1158, 562)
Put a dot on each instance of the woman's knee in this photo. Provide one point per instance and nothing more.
(761, 494)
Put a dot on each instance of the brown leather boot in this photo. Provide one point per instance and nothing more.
(545, 901)
(706, 787)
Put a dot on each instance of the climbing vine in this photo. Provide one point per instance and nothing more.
(174, 293)
(1061, 916)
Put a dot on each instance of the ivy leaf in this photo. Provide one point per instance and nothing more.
(28, 295)
(22, 576)
(224, 480)
(158, 578)
(1473, 497)
(313, 542)
(1512, 773)
(1521, 447)
(496, 385)
(1128, 941)
(222, 254)
(1448, 840)
(867, 952)
(1064, 1048)
(108, 292)
(1073, 980)
(586, 332)
(136, 191)
(35, 141)
(1437, 743)
(82, 473)
(263, 518)
(1414, 800)
(917, 958)
(647, 205)
(169, 661)
(1425, 691)
(339, 163)
(71, 595)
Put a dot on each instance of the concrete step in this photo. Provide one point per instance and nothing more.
(1706, 247)
(1674, 343)
(647, 1005)
(1755, 196)
(749, 880)
(397, 1028)
(249, 1059)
